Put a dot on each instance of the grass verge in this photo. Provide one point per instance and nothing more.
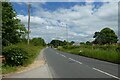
(33, 52)
(105, 53)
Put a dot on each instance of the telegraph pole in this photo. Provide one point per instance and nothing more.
(28, 22)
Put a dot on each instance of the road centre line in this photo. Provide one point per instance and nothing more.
(106, 73)
(75, 60)
(92, 68)
(63, 55)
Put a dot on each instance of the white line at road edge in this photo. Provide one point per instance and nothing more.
(75, 60)
(106, 73)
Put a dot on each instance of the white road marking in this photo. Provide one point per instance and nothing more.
(78, 62)
(63, 55)
(75, 60)
(106, 73)
(71, 59)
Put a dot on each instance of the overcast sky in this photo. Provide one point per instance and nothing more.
(52, 20)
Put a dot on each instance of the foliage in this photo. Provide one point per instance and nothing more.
(70, 47)
(15, 56)
(20, 54)
(8, 69)
(118, 49)
(88, 43)
(12, 29)
(105, 36)
(82, 43)
(65, 42)
(38, 42)
(56, 43)
(103, 52)
(72, 42)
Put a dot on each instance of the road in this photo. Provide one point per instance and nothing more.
(65, 65)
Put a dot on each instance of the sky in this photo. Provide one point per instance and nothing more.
(72, 21)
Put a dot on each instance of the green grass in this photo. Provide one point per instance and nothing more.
(8, 69)
(106, 53)
(33, 53)
(32, 50)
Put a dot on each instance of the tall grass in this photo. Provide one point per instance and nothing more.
(33, 52)
(8, 69)
(108, 53)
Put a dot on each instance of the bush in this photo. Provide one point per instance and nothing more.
(70, 47)
(20, 54)
(118, 49)
(15, 56)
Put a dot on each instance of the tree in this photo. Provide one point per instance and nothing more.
(11, 26)
(38, 42)
(65, 42)
(105, 36)
(72, 42)
(57, 43)
(88, 43)
(82, 43)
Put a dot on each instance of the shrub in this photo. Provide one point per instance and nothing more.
(118, 49)
(70, 47)
(15, 56)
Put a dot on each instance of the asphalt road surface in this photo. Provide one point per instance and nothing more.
(65, 65)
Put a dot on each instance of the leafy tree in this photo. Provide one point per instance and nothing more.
(82, 43)
(38, 42)
(88, 43)
(105, 36)
(72, 42)
(12, 29)
(57, 43)
(65, 42)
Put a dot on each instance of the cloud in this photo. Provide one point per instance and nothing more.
(33, 19)
(79, 22)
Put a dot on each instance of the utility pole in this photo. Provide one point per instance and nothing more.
(28, 22)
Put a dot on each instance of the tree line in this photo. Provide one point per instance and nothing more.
(105, 36)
